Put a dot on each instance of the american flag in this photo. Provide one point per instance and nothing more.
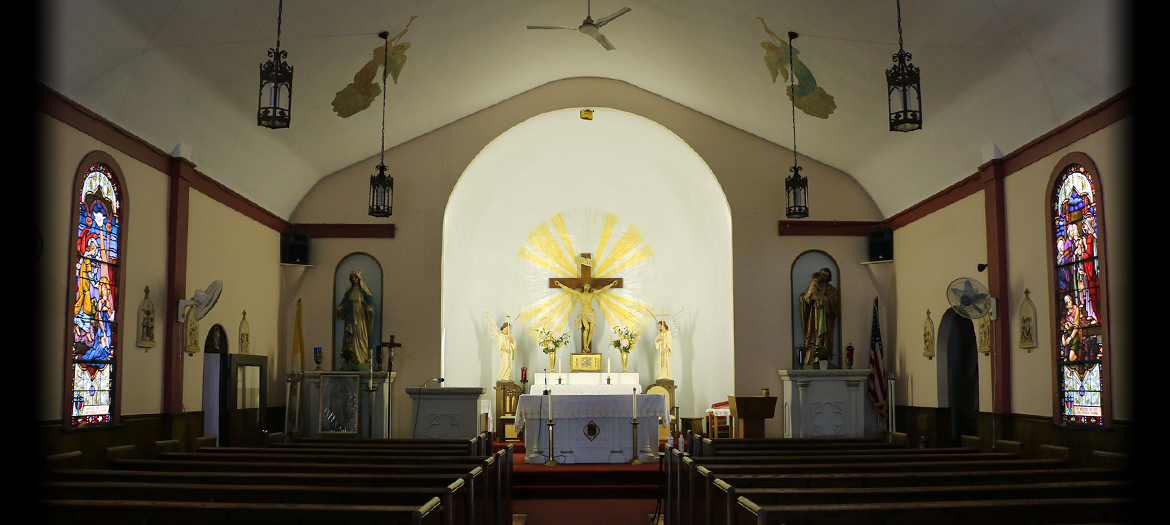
(877, 376)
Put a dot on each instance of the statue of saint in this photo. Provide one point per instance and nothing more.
(819, 308)
(357, 309)
(506, 345)
(664, 343)
(587, 318)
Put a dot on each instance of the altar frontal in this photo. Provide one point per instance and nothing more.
(591, 428)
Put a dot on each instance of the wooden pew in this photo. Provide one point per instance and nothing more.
(129, 512)
(694, 474)
(464, 499)
(451, 497)
(725, 508)
(1000, 512)
(480, 445)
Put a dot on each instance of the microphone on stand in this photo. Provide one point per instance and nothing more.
(439, 379)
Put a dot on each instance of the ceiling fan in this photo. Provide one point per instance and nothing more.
(590, 27)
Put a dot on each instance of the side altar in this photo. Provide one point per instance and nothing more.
(346, 404)
(824, 403)
(591, 428)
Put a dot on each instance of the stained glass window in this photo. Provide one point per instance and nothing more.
(93, 345)
(1078, 298)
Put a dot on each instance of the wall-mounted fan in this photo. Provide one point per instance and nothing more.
(970, 298)
(590, 27)
(203, 301)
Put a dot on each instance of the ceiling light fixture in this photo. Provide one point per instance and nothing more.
(904, 85)
(275, 107)
(795, 186)
(382, 184)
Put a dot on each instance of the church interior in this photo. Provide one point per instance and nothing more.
(665, 150)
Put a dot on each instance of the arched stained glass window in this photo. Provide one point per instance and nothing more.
(1081, 338)
(93, 345)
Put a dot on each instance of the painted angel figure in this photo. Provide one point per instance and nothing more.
(506, 344)
(664, 343)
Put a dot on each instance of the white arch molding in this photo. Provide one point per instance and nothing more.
(617, 163)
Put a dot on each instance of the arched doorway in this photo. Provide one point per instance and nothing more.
(958, 363)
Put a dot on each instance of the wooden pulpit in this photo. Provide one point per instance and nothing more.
(750, 413)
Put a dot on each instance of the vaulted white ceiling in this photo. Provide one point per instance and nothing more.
(186, 71)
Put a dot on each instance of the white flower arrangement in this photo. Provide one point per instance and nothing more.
(623, 339)
(550, 341)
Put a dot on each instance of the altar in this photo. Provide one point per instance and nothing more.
(591, 428)
(824, 403)
(346, 404)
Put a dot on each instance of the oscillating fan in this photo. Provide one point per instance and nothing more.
(591, 28)
(203, 301)
(970, 298)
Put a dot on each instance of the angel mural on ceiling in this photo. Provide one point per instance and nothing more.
(360, 93)
(810, 98)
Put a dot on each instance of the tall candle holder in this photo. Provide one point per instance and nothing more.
(634, 424)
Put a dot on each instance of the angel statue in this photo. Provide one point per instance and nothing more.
(664, 343)
(506, 344)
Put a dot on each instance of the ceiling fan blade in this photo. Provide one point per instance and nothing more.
(602, 21)
(552, 27)
(604, 41)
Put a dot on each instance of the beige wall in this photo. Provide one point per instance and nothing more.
(950, 243)
(224, 245)
(61, 150)
(750, 171)
(1026, 196)
(928, 254)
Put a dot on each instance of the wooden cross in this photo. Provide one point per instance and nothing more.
(585, 260)
(390, 358)
(586, 265)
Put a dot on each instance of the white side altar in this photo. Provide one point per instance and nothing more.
(591, 428)
(824, 403)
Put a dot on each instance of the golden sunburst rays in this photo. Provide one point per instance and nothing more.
(551, 250)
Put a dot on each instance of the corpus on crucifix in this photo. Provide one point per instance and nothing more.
(584, 288)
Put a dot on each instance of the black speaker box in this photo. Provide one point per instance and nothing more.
(294, 248)
(881, 245)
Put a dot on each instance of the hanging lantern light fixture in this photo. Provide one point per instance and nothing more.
(275, 108)
(381, 183)
(904, 86)
(796, 185)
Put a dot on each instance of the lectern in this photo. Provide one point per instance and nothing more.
(750, 413)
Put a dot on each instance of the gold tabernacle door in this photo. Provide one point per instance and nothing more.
(584, 362)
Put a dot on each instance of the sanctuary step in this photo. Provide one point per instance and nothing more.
(586, 481)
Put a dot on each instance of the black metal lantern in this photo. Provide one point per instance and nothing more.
(381, 183)
(796, 193)
(796, 185)
(905, 88)
(275, 108)
(381, 193)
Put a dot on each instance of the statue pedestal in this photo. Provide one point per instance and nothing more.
(446, 412)
(347, 404)
(824, 403)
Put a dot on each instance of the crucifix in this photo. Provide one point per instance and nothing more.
(584, 288)
(389, 347)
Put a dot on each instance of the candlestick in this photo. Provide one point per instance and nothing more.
(635, 402)
(608, 365)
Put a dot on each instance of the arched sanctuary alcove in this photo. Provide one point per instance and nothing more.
(561, 175)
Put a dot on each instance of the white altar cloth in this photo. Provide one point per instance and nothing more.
(584, 378)
(594, 390)
(608, 440)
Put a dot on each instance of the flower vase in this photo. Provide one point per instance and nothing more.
(824, 364)
(625, 360)
(552, 361)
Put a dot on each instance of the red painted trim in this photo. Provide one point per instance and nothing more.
(77, 116)
(995, 218)
(178, 213)
(845, 228)
(1108, 112)
(345, 231)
